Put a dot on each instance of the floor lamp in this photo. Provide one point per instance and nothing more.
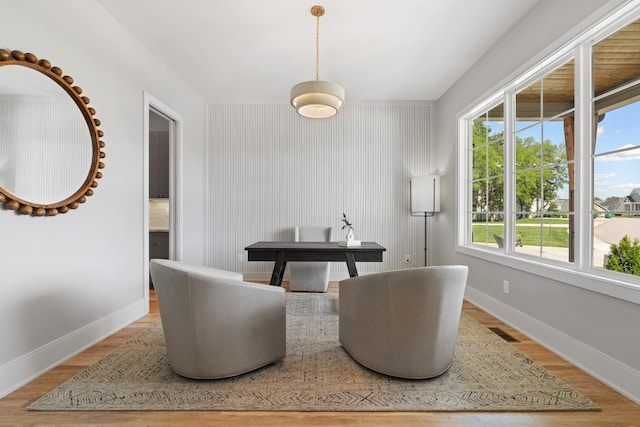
(425, 200)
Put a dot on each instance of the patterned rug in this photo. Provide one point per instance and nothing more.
(317, 374)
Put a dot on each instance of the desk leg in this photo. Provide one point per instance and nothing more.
(351, 265)
(278, 270)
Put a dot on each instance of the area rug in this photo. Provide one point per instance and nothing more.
(317, 374)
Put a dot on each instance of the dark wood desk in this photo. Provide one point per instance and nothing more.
(281, 252)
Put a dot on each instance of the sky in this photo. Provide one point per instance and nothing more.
(618, 174)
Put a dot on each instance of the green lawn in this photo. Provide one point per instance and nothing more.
(530, 234)
(546, 221)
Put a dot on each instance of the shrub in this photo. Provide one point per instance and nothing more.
(625, 257)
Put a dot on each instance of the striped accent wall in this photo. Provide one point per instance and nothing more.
(45, 148)
(268, 169)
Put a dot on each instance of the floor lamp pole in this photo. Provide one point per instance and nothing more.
(426, 215)
(425, 239)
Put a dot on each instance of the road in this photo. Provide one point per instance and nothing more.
(613, 230)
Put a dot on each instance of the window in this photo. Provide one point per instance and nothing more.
(537, 169)
(616, 148)
(543, 165)
(487, 199)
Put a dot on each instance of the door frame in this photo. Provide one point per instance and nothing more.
(175, 183)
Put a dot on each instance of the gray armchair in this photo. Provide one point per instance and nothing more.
(215, 325)
(403, 323)
(310, 276)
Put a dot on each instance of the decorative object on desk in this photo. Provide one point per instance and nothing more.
(347, 224)
(350, 235)
(349, 239)
(425, 200)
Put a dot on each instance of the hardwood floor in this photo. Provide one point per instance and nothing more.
(616, 409)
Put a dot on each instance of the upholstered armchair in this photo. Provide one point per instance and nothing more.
(403, 323)
(216, 325)
(310, 276)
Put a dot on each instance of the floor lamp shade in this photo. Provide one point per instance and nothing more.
(425, 194)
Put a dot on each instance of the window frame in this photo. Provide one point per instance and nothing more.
(579, 272)
(487, 176)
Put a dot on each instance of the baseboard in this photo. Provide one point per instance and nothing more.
(20, 371)
(619, 376)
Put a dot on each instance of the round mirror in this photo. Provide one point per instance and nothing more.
(50, 147)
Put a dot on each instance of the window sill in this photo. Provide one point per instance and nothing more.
(600, 283)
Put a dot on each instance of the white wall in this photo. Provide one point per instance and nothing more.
(597, 332)
(70, 280)
(270, 169)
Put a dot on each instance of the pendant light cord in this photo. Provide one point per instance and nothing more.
(318, 47)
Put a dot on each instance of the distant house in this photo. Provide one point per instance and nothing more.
(613, 204)
(562, 205)
(632, 201)
(599, 207)
(628, 203)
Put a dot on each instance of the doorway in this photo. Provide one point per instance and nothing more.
(162, 136)
(159, 184)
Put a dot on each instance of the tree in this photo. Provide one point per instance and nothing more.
(625, 257)
(488, 168)
(541, 171)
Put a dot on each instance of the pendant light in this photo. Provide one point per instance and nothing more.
(317, 99)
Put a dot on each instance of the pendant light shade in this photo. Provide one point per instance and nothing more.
(317, 99)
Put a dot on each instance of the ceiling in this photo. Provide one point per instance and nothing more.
(248, 51)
